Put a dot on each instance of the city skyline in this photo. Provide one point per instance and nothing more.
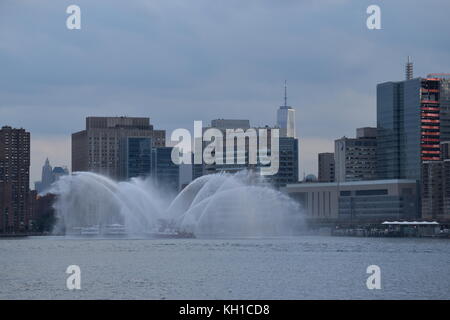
(168, 142)
(183, 72)
(245, 152)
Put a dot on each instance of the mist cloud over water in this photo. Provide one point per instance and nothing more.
(240, 204)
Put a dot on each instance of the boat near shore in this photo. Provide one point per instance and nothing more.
(90, 231)
(399, 229)
(170, 234)
(119, 230)
(114, 230)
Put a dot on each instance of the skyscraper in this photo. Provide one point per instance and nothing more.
(444, 104)
(413, 117)
(97, 148)
(286, 118)
(47, 176)
(14, 179)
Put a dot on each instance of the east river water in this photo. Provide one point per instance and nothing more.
(306, 267)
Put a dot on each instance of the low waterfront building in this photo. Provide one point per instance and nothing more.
(357, 201)
(412, 228)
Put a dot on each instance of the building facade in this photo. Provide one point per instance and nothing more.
(135, 157)
(14, 180)
(435, 187)
(97, 148)
(355, 158)
(413, 117)
(288, 153)
(288, 162)
(432, 190)
(165, 172)
(138, 158)
(358, 201)
(326, 167)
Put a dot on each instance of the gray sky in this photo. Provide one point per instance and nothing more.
(177, 61)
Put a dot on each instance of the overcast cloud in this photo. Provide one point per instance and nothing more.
(177, 61)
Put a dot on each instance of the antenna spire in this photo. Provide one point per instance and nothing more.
(409, 69)
(285, 93)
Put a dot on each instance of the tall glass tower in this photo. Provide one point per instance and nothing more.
(286, 118)
(412, 121)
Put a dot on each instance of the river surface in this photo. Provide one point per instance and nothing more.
(306, 267)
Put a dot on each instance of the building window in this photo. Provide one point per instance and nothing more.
(376, 192)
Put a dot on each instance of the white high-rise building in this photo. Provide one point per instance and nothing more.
(286, 118)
